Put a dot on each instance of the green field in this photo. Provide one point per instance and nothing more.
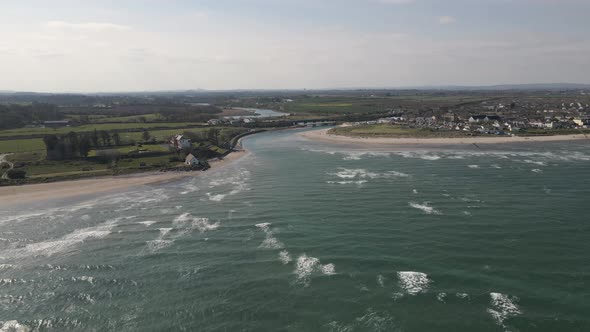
(22, 145)
(386, 130)
(335, 105)
(131, 118)
(92, 127)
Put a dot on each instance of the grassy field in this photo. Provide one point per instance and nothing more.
(92, 127)
(130, 119)
(334, 105)
(22, 145)
(386, 130)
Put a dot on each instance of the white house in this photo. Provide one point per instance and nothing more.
(191, 160)
(179, 142)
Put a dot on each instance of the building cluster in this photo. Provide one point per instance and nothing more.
(496, 119)
(231, 120)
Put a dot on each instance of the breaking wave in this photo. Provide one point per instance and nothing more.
(307, 265)
(424, 207)
(270, 241)
(502, 308)
(413, 282)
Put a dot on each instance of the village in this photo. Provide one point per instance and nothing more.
(488, 118)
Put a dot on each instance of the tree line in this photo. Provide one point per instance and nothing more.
(74, 145)
(17, 116)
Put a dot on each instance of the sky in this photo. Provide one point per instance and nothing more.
(141, 45)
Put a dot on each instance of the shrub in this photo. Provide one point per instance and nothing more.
(16, 174)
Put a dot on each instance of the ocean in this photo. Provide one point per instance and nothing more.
(311, 236)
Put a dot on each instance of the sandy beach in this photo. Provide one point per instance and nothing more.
(322, 135)
(11, 195)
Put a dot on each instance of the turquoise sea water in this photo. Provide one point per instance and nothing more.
(309, 236)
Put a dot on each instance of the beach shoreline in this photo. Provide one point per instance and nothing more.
(13, 195)
(324, 136)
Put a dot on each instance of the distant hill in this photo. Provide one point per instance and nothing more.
(522, 87)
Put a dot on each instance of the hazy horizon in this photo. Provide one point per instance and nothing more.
(132, 46)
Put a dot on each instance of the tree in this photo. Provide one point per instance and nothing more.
(116, 138)
(50, 142)
(213, 135)
(72, 144)
(51, 146)
(108, 156)
(106, 138)
(146, 135)
(84, 146)
(94, 139)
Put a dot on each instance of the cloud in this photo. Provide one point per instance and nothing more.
(86, 26)
(395, 2)
(446, 20)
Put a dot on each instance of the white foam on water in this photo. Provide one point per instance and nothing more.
(23, 217)
(540, 163)
(155, 245)
(473, 166)
(430, 157)
(441, 296)
(352, 156)
(495, 166)
(186, 223)
(85, 217)
(7, 266)
(285, 257)
(236, 178)
(424, 207)
(360, 176)
(14, 326)
(265, 226)
(147, 223)
(503, 307)
(462, 295)
(189, 187)
(547, 190)
(270, 242)
(87, 279)
(536, 170)
(381, 280)
(467, 213)
(216, 198)
(359, 182)
(86, 298)
(164, 231)
(307, 265)
(414, 191)
(328, 269)
(413, 282)
(203, 224)
(396, 174)
(346, 173)
(51, 247)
